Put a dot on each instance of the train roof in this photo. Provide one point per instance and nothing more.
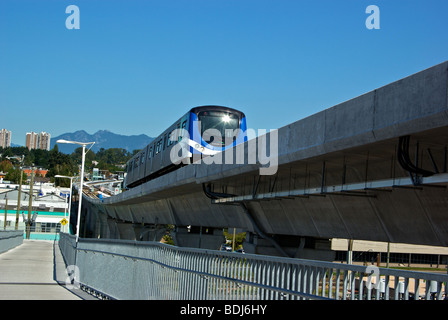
(216, 107)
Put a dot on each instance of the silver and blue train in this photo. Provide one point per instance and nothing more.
(154, 160)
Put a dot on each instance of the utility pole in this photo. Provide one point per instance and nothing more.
(350, 252)
(6, 210)
(233, 241)
(18, 200)
(388, 254)
(30, 207)
(20, 192)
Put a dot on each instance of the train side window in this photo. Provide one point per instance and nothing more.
(172, 137)
(184, 124)
(150, 153)
(136, 162)
(178, 136)
(159, 146)
(168, 139)
(143, 157)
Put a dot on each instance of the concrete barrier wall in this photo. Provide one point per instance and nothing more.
(412, 104)
(10, 239)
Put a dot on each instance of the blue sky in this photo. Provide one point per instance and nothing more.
(136, 66)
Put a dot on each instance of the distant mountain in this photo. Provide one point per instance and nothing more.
(103, 139)
(13, 145)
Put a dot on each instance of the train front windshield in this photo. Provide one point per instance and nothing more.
(226, 123)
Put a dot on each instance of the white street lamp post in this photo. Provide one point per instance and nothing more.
(81, 178)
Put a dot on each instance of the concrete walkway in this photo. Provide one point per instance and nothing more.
(35, 271)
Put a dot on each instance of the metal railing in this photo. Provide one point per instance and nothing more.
(123, 269)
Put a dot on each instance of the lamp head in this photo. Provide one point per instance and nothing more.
(74, 142)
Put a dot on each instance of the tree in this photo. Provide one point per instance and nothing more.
(76, 157)
(5, 166)
(60, 164)
(239, 237)
(13, 175)
(112, 158)
(41, 157)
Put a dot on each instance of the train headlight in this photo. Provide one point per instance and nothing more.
(226, 118)
(199, 147)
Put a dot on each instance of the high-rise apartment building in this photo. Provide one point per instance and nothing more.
(5, 138)
(31, 140)
(44, 141)
(38, 140)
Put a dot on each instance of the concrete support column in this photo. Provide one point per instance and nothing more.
(151, 232)
(198, 237)
(293, 246)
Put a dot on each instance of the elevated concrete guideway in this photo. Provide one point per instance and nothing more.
(371, 168)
